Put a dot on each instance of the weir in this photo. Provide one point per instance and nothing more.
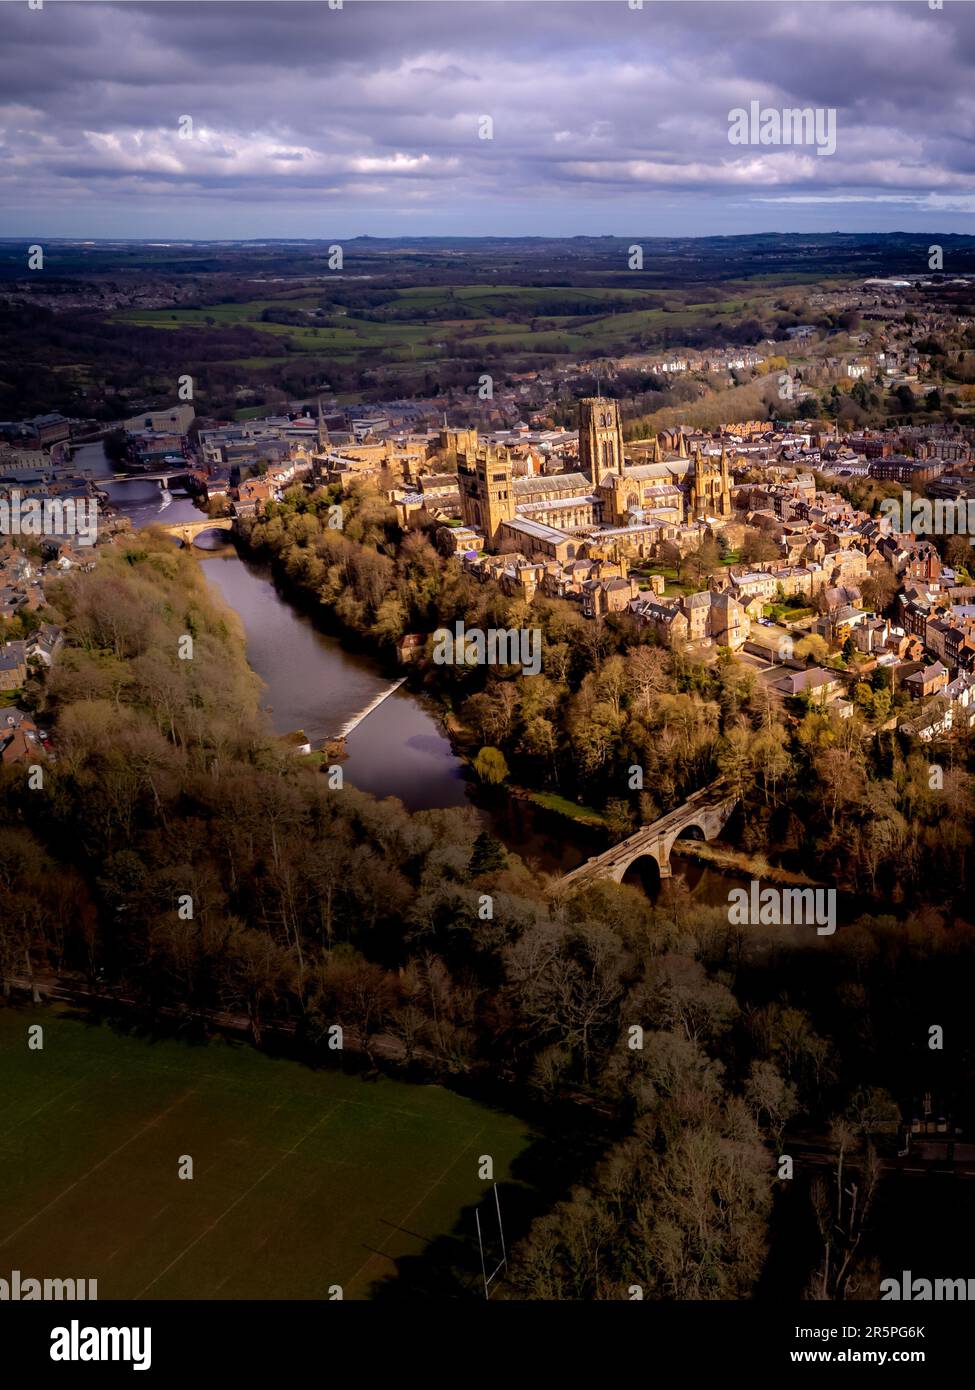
(357, 719)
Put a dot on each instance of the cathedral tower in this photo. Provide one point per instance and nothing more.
(486, 495)
(710, 488)
(600, 438)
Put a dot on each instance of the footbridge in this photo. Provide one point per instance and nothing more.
(707, 811)
(187, 531)
(163, 476)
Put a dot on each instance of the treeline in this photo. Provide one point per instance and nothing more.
(41, 371)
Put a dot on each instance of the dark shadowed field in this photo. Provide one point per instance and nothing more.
(302, 1179)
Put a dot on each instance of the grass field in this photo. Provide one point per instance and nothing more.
(551, 801)
(302, 1179)
(493, 318)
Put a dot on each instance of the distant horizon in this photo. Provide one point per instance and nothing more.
(160, 239)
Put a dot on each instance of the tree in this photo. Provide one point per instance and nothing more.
(735, 759)
(646, 669)
(879, 587)
(812, 649)
(539, 740)
(842, 1215)
(698, 564)
(758, 546)
(490, 766)
(487, 857)
(771, 1099)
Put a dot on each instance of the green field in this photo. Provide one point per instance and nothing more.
(493, 318)
(302, 1179)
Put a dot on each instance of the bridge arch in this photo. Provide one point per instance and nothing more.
(206, 531)
(693, 830)
(188, 531)
(644, 871)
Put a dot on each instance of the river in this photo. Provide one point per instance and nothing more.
(400, 749)
(312, 683)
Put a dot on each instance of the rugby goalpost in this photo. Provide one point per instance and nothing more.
(503, 1262)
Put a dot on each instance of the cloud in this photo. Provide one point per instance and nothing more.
(348, 119)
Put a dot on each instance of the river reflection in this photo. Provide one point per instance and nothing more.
(313, 684)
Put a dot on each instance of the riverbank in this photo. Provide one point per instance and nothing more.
(558, 805)
(733, 861)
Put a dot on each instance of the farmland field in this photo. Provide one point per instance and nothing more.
(494, 318)
(302, 1179)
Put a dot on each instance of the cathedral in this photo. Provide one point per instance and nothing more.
(633, 505)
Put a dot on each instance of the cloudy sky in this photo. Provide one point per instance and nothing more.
(311, 122)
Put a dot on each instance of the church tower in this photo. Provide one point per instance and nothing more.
(710, 488)
(486, 494)
(725, 501)
(600, 438)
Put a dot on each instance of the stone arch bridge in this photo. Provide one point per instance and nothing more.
(707, 811)
(187, 531)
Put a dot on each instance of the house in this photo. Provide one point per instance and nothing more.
(13, 665)
(838, 624)
(872, 635)
(729, 623)
(19, 738)
(815, 682)
(755, 584)
(961, 693)
(409, 647)
(930, 680)
(934, 721)
(45, 643)
(607, 596)
(665, 619)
